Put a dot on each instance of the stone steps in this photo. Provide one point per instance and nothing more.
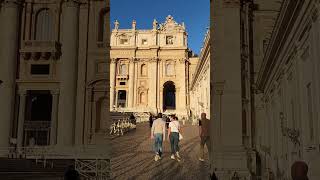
(29, 169)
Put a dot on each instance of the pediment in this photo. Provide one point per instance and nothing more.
(171, 25)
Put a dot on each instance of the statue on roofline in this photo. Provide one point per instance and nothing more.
(116, 25)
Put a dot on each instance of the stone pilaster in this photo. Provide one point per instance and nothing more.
(9, 18)
(182, 92)
(131, 83)
(68, 73)
(21, 117)
(153, 84)
(112, 82)
(54, 117)
(228, 155)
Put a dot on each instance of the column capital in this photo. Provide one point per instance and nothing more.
(154, 59)
(231, 3)
(133, 60)
(55, 92)
(113, 60)
(182, 60)
(72, 3)
(22, 92)
(218, 87)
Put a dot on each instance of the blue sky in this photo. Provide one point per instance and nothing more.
(195, 15)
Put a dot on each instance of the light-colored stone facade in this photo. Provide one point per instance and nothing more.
(149, 68)
(288, 126)
(265, 92)
(54, 65)
(200, 83)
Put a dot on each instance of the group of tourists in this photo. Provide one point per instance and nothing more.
(171, 125)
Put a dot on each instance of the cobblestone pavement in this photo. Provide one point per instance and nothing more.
(133, 157)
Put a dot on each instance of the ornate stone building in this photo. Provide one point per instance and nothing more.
(200, 83)
(149, 68)
(265, 88)
(54, 65)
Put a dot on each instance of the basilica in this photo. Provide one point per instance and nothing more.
(149, 70)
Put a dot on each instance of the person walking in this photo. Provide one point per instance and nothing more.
(71, 173)
(150, 120)
(204, 133)
(158, 131)
(173, 134)
(299, 171)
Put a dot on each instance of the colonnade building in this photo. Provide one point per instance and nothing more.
(200, 83)
(265, 96)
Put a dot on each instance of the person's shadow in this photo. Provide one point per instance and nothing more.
(71, 173)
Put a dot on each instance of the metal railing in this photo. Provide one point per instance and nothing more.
(90, 165)
(121, 127)
(93, 169)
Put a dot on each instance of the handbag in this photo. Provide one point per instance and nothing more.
(180, 135)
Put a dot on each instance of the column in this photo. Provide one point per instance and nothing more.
(131, 83)
(21, 117)
(153, 84)
(181, 97)
(8, 57)
(68, 73)
(112, 81)
(229, 154)
(54, 117)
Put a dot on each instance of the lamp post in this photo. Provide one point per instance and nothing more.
(292, 134)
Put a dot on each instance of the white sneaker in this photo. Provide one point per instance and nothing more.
(177, 154)
(156, 157)
(201, 159)
(172, 157)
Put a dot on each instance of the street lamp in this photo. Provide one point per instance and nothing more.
(292, 134)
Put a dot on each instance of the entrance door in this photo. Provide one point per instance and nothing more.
(122, 98)
(169, 95)
(38, 118)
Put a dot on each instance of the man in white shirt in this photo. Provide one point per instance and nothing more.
(158, 131)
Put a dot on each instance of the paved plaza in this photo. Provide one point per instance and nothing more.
(133, 157)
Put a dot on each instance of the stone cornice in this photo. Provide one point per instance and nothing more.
(72, 3)
(231, 3)
(10, 3)
(289, 13)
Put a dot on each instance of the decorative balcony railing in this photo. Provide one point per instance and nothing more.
(44, 50)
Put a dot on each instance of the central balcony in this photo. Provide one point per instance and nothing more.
(33, 49)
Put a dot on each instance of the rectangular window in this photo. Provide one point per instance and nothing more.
(310, 110)
(122, 83)
(40, 69)
(144, 42)
(169, 40)
(124, 41)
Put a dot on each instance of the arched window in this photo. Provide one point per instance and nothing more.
(102, 27)
(44, 26)
(123, 69)
(143, 70)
